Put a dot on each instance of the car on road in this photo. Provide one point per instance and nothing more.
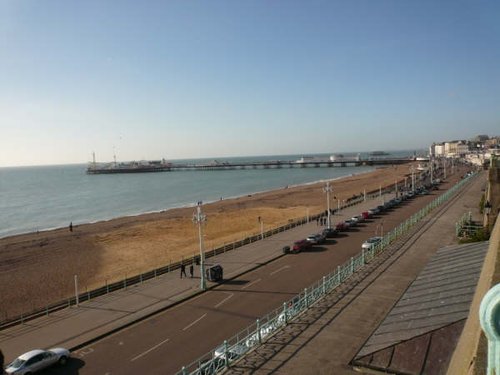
(366, 215)
(371, 243)
(316, 238)
(342, 226)
(330, 232)
(37, 360)
(301, 245)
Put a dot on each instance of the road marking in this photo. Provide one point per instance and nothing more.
(279, 270)
(83, 352)
(252, 283)
(149, 350)
(193, 323)
(225, 299)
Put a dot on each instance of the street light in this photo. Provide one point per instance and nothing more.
(328, 189)
(199, 218)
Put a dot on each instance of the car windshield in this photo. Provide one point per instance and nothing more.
(18, 362)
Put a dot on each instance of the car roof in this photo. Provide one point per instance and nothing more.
(26, 356)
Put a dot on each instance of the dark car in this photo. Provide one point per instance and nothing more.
(330, 232)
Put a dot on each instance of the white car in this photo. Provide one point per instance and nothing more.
(371, 243)
(36, 360)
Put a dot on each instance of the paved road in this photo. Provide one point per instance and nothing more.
(166, 341)
(326, 338)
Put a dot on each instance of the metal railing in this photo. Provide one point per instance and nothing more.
(235, 347)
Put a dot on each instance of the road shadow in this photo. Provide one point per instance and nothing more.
(314, 249)
(236, 282)
(72, 367)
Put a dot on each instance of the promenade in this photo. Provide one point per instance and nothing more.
(325, 339)
(76, 327)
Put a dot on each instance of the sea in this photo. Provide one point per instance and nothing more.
(48, 197)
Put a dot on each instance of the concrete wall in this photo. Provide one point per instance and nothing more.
(470, 355)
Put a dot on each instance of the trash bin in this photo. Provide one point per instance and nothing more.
(215, 273)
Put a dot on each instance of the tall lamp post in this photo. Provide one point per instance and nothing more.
(199, 218)
(328, 189)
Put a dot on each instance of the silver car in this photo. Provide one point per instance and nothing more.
(36, 360)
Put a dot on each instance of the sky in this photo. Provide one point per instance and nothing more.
(195, 79)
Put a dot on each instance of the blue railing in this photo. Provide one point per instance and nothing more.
(235, 347)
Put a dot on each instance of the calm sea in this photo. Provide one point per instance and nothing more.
(40, 198)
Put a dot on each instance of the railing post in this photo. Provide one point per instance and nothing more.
(363, 255)
(338, 276)
(285, 313)
(352, 265)
(259, 337)
(324, 285)
(226, 354)
(305, 298)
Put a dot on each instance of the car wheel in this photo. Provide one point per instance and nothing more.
(63, 360)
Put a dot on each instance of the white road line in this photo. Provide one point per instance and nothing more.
(224, 300)
(149, 350)
(279, 270)
(196, 321)
(252, 283)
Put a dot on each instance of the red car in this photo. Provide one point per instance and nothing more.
(342, 226)
(301, 245)
(366, 215)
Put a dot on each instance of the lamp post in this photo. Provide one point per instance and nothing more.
(261, 228)
(412, 179)
(328, 189)
(199, 218)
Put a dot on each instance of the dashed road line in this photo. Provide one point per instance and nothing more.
(225, 299)
(279, 269)
(149, 350)
(252, 283)
(193, 323)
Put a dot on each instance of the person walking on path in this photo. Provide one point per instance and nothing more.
(191, 270)
(2, 359)
(183, 270)
(71, 226)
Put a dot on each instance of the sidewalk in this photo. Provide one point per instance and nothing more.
(325, 339)
(75, 327)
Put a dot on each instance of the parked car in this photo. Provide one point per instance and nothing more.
(301, 245)
(374, 211)
(36, 360)
(366, 215)
(341, 226)
(358, 218)
(370, 243)
(316, 238)
(330, 232)
(351, 222)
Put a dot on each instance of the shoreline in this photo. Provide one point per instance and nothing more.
(181, 206)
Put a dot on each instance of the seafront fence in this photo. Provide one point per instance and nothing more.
(9, 321)
(248, 339)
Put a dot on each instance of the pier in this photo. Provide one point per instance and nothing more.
(154, 166)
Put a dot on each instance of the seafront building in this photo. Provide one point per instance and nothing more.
(477, 151)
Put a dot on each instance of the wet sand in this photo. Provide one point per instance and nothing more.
(37, 269)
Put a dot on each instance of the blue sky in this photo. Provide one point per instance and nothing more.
(188, 79)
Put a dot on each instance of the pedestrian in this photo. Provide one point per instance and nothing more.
(183, 270)
(191, 270)
(71, 226)
(317, 221)
(2, 359)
